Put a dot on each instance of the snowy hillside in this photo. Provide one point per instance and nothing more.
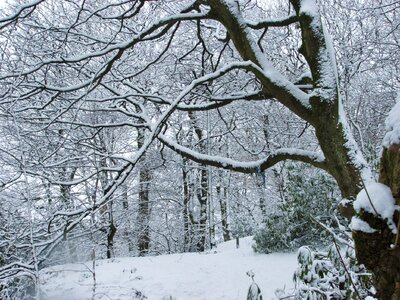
(217, 275)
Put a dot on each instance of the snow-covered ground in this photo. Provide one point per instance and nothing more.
(217, 275)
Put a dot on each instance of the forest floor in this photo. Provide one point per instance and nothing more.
(215, 275)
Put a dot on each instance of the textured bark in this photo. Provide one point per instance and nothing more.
(337, 149)
(202, 197)
(112, 230)
(260, 185)
(202, 192)
(374, 250)
(144, 212)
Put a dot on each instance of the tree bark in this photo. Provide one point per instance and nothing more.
(202, 193)
(127, 233)
(143, 218)
(185, 213)
(202, 197)
(379, 251)
(112, 230)
(222, 195)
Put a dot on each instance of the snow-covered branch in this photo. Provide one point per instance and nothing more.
(273, 158)
(273, 22)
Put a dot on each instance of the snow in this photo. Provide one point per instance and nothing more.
(392, 122)
(376, 198)
(356, 155)
(310, 8)
(235, 165)
(276, 79)
(219, 274)
(357, 224)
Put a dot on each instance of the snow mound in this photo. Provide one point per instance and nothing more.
(377, 199)
(392, 122)
(217, 275)
(357, 224)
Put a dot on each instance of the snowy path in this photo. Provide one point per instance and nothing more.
(217, 275)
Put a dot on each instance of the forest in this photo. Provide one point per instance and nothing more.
(141, 128)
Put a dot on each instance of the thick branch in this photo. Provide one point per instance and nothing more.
(274, 83)
(313, 158)
(317, 49)
(273, 23)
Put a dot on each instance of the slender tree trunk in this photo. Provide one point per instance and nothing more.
(143, 219)
(144, 212)
(111, 232)
(260, 186)
(66, 198)
(128, 229)
(186, 202)
(222, 194)
(202, 196)
(202, 193)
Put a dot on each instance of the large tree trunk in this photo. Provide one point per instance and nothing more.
(379, 251)
(343, 159)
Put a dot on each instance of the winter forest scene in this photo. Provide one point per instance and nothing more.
(199, 149)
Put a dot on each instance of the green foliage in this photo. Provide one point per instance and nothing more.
(331, 274)
(309, 196)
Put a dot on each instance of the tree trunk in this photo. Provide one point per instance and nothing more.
(222, 195)
(379, 251)
(127, 233)
(186, 202)
(143, 219)
(112, 230)
(202, 193)
(202, 196)
(144, 212)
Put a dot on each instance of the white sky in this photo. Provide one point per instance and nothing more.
(3, 3)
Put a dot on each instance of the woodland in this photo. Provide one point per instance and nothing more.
(140, 128)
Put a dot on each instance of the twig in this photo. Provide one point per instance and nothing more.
(340, 256)
(369, 198)
(345, 268)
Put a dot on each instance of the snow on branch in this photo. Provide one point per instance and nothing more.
(20, 13)
(154, 132)
(273, 158)
(274, 82)
(213, 102)
(392, 136)
(149, 33)
(377, 199)
(273, 22)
